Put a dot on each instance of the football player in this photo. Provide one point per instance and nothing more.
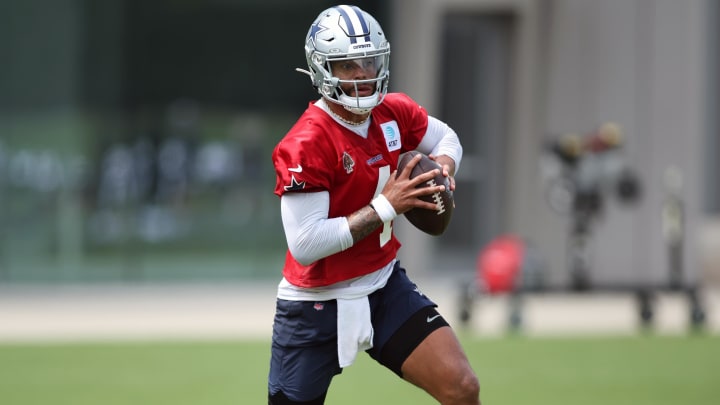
(343, 289)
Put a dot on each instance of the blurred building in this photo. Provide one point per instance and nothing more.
(135, 136)
(513, 75)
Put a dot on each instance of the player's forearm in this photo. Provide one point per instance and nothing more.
(311, 235)
(370, 217)
(363, 222)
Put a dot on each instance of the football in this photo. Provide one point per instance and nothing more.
(429, 221)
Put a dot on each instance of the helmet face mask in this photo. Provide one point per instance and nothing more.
(348, 58)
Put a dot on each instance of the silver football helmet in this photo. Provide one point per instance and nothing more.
(350, 37)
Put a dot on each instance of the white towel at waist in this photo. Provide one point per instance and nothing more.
(354, 329)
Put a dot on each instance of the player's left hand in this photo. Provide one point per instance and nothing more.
(448, 168)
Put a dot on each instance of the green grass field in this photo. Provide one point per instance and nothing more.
(514, 370)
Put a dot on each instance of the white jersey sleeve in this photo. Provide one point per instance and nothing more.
(310, 234)
(440, 139)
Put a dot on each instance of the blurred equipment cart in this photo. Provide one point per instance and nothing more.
(584, 171)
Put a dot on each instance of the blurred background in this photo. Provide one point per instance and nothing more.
(135, 143)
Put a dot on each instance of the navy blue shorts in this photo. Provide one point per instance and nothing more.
(304, 345)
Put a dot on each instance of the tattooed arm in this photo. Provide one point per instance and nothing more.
(363, 222)
(311, 235)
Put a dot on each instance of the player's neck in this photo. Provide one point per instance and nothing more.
(345, 115)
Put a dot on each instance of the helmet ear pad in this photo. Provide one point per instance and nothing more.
(345, 33)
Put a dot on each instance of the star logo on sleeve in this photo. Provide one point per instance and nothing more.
(295, 185)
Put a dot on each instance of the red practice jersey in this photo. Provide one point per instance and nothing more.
(318, 154)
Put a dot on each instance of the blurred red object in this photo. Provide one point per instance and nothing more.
(499, 264)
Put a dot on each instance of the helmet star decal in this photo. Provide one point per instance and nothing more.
(315, 29)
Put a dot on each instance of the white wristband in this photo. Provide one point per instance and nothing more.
(384, 209)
